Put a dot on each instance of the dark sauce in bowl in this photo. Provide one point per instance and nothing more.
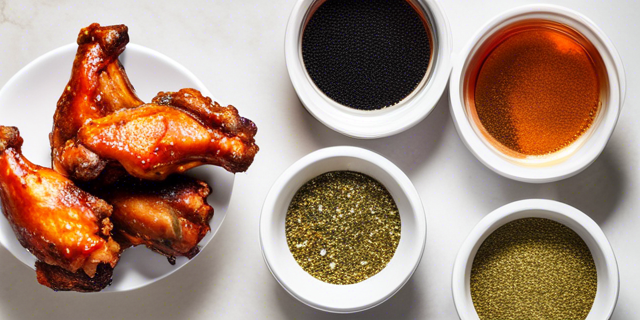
(366, 54)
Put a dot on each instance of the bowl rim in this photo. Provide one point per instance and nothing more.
(314, 158)
(565, 168)
(499, 217)
(370, 124)
(139, 49)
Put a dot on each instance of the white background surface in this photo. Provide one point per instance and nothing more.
(236, 48)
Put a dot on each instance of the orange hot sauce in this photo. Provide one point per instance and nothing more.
(537, 90)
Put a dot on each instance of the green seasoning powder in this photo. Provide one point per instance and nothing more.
(342, 227)
(533, 268)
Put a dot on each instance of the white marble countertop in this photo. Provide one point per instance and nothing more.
(236, 49)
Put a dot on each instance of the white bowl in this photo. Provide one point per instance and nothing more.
(342, 298)
(587, 229)
(28, 101)
(570, 160)
(375, 123)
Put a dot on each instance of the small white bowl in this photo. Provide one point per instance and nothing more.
(375, 123)
(579, 155)
(342, 298)
(587, 229)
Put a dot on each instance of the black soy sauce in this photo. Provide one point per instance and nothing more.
(366, 54)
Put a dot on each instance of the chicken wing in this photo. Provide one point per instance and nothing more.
(169, 217)
(67, 229)
(98, 86)
(181, 130)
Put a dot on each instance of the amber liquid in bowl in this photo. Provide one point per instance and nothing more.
(535, 88)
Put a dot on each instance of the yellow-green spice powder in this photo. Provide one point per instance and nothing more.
(342, 227)
(533, 268)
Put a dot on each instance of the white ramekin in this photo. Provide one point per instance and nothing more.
(342, 298)
(547, 169)
(587, 229)
(377, 123)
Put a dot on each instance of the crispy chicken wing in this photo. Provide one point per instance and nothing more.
(169, 217)
(67, 229)
(179, 131)
(96, 95)
(98, 86)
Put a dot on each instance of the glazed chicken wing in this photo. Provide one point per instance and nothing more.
(67, 229)
(98, 87)
(179, 131)
(169, 217)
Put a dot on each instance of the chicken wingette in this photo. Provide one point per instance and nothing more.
(98, 86)
(169, 216)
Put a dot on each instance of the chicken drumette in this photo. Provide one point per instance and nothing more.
(67, 229)
(98, 86)
(176, 132)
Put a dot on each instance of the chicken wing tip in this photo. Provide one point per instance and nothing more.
(10, 138)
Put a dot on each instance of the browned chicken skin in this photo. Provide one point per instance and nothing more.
(169, 217)
(67, 229)
(179, 131)
(98, 87)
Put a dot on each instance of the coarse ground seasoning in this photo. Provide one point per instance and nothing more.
(537, 91)
(342, 227)
(533, 268)
(366, 54)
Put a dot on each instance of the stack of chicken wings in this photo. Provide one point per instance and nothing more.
(117, 170)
